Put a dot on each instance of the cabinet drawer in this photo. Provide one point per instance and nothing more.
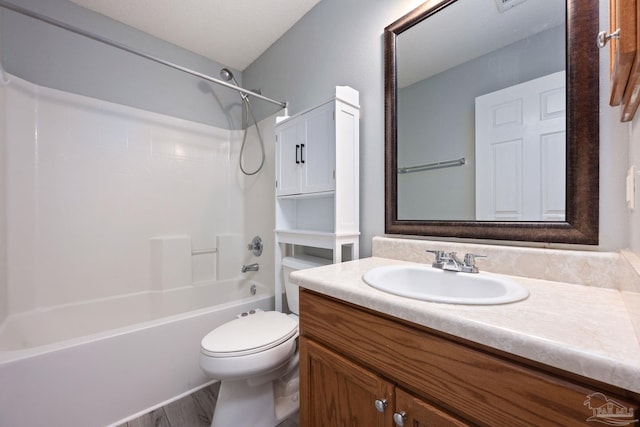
(477, 385)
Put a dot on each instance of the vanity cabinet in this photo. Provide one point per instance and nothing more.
(351, 357)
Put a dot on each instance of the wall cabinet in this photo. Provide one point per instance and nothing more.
(624, 56)
(317, 182)
(305, 153)
(351, 357)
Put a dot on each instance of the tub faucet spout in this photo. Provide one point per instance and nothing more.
(250, 267)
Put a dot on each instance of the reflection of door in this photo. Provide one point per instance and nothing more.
(520, 152)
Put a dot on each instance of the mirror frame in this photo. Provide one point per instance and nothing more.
(582, 184)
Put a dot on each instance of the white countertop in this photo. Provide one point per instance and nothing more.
(580, 329)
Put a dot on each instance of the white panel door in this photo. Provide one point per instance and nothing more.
(288, 140)
(520, 152)
(319, 151)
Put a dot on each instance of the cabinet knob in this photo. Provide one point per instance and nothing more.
(399, 418)
(604, 37)
(380, 404)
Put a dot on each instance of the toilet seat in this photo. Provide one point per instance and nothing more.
(249, 334)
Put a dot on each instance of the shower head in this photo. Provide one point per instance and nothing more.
(226, 75)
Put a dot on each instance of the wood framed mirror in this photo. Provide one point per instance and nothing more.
(578, 223)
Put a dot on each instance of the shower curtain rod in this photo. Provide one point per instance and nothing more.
(27, 12)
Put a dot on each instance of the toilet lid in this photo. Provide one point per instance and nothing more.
(250, 334)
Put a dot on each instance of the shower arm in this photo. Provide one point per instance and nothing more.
(60, 24)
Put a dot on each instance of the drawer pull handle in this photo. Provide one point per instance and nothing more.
(380, 404)
(400, 418)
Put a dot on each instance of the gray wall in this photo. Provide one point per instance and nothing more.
(340, 43)
(337, 43)
(56, 58)
(448, 97)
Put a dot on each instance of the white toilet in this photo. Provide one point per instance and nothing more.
(256, 359)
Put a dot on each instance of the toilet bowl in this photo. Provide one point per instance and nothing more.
(255, 358)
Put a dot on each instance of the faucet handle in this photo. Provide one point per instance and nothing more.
(439, 258)
(438, 254)
(255, 246)
(470, 263)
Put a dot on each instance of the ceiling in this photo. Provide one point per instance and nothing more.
(467, 30)
(231, 32)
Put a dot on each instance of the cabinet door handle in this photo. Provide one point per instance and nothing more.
(604, 37)
(301, 153)
(381, 404)
(399, 418)
(297, 154)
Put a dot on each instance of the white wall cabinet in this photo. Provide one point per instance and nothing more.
(305, 152)
(317, 182)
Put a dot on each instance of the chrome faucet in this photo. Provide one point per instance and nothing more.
(452, 262)
(250, 267)
(449, 261)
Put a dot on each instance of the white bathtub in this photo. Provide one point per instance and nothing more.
(99, 362)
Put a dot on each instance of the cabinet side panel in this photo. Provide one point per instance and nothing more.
(347, 169)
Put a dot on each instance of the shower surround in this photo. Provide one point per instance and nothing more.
(90, 183)
(121, 225)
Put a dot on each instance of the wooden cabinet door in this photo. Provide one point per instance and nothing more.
(337, 392)
(622, 16)
(419, 413)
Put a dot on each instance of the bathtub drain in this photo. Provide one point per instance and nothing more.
(253, 289)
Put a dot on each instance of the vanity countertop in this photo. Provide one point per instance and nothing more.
(580, 329)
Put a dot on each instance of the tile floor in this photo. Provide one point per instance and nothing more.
(194, 410)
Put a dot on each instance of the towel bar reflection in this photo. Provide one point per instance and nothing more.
(436, 165)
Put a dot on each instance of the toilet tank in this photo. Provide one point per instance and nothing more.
(299, 262)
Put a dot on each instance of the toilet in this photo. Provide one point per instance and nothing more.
(255, 357)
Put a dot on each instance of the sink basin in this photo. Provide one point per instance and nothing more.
(432, 284)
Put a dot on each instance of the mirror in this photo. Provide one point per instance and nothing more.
(460, 157)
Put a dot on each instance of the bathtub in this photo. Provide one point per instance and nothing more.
(100, 362)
